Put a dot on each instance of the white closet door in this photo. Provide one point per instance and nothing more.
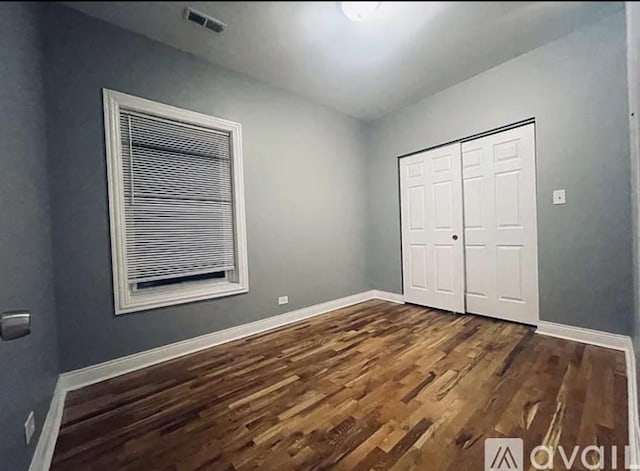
(500, 225)
(432, 239)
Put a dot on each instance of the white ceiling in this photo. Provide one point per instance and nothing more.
(409, 51)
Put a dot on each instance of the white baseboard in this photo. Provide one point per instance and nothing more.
(616, 342)
(49, 434)
(93, 374)
(386, 296)
(579, 334)
(632, 395)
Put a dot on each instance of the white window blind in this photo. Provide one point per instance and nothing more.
(178, 198)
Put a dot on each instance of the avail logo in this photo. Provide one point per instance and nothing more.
(503, 454)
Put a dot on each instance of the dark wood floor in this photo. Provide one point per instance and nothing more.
(372, 386)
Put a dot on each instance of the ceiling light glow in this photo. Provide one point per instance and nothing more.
(360, 11)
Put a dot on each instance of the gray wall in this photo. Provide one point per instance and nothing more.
(576, 89)
(304, 176)
(28, 366)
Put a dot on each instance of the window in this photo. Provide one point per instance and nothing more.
(176, 204)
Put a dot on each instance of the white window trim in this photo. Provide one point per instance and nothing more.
(126, 300)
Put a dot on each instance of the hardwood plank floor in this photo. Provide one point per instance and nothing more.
(373, 386)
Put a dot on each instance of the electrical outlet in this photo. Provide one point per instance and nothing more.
(29, 427)
(283, 300)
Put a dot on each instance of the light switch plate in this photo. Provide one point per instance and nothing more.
(559, 197)
(283, 300)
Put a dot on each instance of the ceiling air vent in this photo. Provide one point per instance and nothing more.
(201, 19)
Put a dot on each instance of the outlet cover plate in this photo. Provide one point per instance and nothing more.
(283, 300)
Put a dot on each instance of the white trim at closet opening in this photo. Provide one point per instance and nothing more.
(469, 226)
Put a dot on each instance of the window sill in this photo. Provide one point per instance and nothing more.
(155, 298)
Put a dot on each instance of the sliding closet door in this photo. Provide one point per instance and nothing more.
(432, 245)
(500, 225)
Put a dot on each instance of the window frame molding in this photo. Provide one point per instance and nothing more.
(127, 300)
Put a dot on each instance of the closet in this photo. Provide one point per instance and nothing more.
(469, 233)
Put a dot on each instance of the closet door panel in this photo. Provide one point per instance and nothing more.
(432, 237)
(500, 225)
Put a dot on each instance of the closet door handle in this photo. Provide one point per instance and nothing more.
(455, 237)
